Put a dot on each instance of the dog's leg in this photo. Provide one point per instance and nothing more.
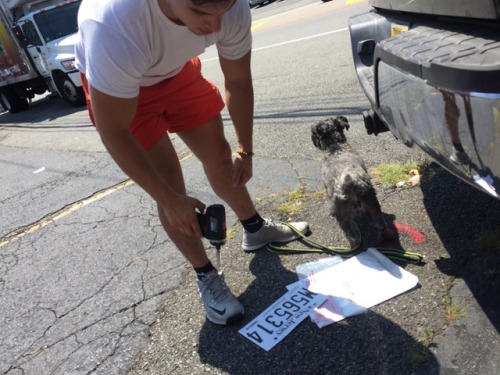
(342, 210)
(372, 207)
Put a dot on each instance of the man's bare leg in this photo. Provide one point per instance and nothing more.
(166, 162)
(221, 306)
(210, 146)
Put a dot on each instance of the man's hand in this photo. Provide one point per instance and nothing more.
(180, 212)
(242, 170)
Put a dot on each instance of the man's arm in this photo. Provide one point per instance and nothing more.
(240, 104)
(113, 116)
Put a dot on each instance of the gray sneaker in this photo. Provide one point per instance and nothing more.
(221, 306)
(272, 232)
(460, 157)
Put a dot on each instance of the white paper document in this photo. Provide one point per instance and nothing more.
(278, 320)
(355, 285)
(305, 270)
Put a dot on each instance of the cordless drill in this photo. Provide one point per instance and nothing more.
(213, 227)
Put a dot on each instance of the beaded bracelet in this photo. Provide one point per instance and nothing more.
(245, 153)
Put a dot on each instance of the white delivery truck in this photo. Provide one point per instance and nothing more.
(37, 40)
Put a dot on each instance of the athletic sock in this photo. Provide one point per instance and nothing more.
(253, 224)
(202, 271)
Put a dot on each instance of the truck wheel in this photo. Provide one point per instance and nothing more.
(11, 101)
(69, 91)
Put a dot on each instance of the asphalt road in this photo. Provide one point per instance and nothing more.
(89, 282)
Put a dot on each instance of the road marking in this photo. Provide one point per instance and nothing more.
(62, 213)
(304, 13)
(256, 25)
(299, 39)
(259, 24)
(288, 42)
(49, 219)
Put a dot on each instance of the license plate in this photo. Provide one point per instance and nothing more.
(278, 320)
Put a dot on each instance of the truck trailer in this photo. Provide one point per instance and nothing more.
(37, 41)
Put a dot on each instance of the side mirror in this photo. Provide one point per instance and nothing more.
(20, 36)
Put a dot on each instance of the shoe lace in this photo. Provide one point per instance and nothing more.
(217, 288)
(269, 223)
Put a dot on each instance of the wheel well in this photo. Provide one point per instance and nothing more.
(57, 77)
(76, 96)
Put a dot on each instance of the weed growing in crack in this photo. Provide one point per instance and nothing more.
(453, 312)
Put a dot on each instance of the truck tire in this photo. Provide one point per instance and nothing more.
(69, 91)
(11, 101)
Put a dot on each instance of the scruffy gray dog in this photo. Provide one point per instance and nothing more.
(347, 181)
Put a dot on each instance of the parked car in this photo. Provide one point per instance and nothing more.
(431, 71)
(254, 3)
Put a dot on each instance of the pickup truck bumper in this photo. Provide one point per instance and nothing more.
(434, 83)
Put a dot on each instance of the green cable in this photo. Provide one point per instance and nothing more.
(315, 247)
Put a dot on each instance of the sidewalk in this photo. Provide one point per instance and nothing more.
(388, 339)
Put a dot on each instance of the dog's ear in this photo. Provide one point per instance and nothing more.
(343, 122)
(315, 136)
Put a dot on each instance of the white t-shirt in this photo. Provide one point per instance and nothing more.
(125, 44)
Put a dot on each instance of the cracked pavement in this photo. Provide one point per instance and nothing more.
(80, 289)
(72, 295)
(100, 289)
(90, 284)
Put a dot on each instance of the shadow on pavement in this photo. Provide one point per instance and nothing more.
(363, 344)
(464, 230)
(42, 109)
(470, 234)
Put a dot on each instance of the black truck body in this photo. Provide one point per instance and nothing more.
(431, 71)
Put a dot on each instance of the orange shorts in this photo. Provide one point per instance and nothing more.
(176, 104)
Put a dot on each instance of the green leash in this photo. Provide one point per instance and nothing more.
(315, 247)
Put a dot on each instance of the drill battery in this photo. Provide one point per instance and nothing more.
(213, 224)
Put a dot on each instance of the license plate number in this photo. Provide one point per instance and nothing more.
(278, 320)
